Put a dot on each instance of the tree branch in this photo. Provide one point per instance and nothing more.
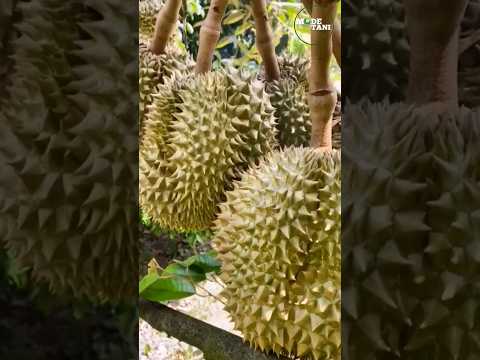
(165, 25)
(215, 343)
(264, 40)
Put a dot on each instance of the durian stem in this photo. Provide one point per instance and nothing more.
(264, 40)
(165, 25)
(434, 47)
(209, 35)
(215, 343)
(322, 97)
(337, 34)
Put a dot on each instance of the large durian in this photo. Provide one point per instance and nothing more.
(278, 238)
(199, 132)
(69, 147)
(378, 51)
(410, 234)
(153, 69)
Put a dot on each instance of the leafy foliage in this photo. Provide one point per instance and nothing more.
(178, 279)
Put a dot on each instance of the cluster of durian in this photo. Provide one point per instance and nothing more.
(153, 69)
(378, 50)
(410, 233)
(148, 11)
(199, 133)
(61, 148)
(278, 237)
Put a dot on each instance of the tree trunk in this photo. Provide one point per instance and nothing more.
(337, 34)
(434, 48)
(264, 40)
(209, 35)
(165, 25)
(322, 97)
(215, 343)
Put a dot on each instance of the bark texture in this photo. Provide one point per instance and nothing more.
(209, 35)
(322, 96)
(434, 49)
(264, 40)
(215, 343)
(165, 25)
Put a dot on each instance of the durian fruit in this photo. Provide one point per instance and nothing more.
(377, 49)
(153, 69)
(199, 132)
(289, 99)
(278, 238)
(148, 11)
(6, 34)
(69, 148)
(410, 233)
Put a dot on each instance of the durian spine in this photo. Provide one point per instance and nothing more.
(322, 97)
(209, 36)
(264, 40)
(165, 25)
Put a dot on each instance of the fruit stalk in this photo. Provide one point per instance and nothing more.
(337, 34)
(264, 40)
(164, 26)
(434, 44)
(322, 97)
(209, 35)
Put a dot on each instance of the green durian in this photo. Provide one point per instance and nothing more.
(69, 148)
(199, 133)
(278, 238)
(153, 69)
(410, 233)
(289, 99)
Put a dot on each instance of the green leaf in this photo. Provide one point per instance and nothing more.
(233, 17)
(225, 41)
(179, 269)
(147, 281)
(165, 288)
(205, 262)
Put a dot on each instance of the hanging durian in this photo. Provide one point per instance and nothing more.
(199, 133)
(278, 237)
(289, 100)
(63, 148)
(410, 233)
(153, 69)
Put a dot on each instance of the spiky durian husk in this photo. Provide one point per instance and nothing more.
(289, 100)
(278, 238)
(199, 133)
(410, 234)
(148, 10)
(70, 213)
(153, 69)
(377, 49)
